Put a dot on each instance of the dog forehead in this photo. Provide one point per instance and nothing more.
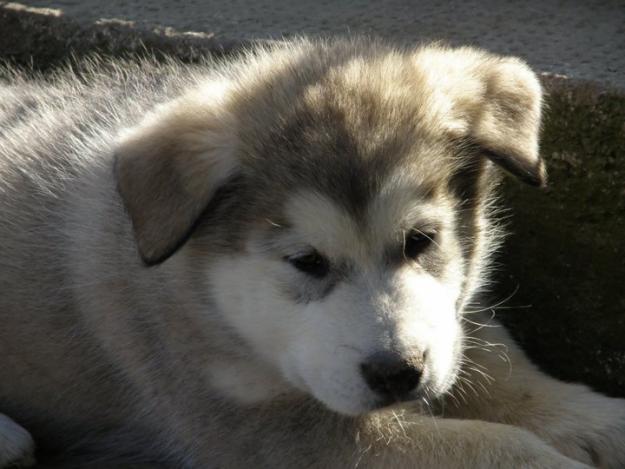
(343, 130)
(348, 158)
(343, 145)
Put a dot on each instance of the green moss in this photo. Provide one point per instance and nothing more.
(567, 251)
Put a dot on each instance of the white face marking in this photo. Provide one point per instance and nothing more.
(246, 381)
(319, 345)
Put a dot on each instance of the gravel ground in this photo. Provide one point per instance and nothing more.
(582, 39)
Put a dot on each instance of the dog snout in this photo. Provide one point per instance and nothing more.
(392, 376)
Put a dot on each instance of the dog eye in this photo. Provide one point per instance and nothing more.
(416, 242)
(313, 264)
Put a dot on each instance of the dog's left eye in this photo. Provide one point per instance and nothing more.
(416, 242)
(313, 264)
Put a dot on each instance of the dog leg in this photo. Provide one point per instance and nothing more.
(499, 384)
(309, 435)
(16, 445)
(462, 444)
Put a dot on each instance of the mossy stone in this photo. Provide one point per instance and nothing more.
(566, 252)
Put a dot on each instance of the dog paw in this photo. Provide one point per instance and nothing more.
(531, 454)
(592, 431)
(16, 445)
(495, 446)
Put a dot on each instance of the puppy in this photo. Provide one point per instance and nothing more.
(271, 262)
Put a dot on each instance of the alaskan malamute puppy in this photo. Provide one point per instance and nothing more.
(272, 263)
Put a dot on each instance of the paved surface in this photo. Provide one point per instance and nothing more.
(577, 38)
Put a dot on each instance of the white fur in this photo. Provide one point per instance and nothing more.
(319, 346)
(16, 444)
(246, 382)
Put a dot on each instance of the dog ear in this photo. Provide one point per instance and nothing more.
(496, 104)
(507, 127)
(169, 167)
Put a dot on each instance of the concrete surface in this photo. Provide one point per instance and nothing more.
(582, 39)
(566, 257)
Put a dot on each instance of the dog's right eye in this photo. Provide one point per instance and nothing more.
(313, 264)
(416, 243)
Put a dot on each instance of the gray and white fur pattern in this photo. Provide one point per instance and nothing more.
(270, 262)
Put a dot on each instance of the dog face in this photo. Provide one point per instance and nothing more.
(356, 181)
(357, 311)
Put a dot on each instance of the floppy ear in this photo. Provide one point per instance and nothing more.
(508, 126)
(496, 104)
(170, 166)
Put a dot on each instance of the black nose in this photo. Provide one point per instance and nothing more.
(391, 375)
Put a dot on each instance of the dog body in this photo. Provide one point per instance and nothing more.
(245, 264)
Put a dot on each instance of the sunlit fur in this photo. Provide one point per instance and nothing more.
(149, 312)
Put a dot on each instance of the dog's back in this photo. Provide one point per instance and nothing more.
(55, 161)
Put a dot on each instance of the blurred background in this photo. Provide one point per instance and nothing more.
(561, 275)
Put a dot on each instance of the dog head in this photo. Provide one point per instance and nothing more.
(336, 195)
